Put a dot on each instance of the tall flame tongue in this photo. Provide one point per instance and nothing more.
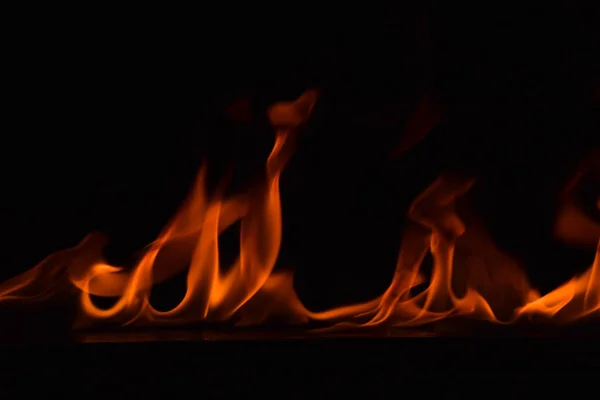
(190, 239)
(210, 293)
(470, 276)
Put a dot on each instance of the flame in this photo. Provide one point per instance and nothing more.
(572, 225)
(470, 276)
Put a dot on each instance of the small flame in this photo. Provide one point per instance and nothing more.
(470, 276)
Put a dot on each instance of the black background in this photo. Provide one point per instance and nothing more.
(109, 113)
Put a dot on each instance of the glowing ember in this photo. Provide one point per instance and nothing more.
(470, 277)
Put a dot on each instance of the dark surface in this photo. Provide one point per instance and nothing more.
(381, 367)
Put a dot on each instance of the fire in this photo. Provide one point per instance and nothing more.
(470, 276)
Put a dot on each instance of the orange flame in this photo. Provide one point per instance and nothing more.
(470, 277)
